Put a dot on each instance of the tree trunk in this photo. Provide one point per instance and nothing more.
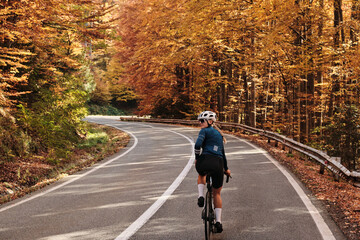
(253, 104)
(246, 98)
(339, 36)
(355, 16)
(338, 39)
(319, 73)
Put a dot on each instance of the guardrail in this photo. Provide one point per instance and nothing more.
(321, 157)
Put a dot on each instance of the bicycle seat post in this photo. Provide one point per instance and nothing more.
(209, 183)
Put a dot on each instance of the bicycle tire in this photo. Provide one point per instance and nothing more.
(211, 220)
(207, 216)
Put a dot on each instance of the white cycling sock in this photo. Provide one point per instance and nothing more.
(218, 214)
(201, 189)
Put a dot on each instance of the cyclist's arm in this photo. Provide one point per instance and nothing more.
(199, 143)
(225, 160)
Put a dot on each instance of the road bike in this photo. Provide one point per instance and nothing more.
(208, 213)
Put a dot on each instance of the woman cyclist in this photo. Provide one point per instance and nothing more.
(212, 160)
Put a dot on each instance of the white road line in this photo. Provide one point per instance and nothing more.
(135, 226)
(319, 221)
(76, 178)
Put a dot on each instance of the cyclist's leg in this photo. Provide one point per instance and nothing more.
(201, 181)
(218, 179)
(201, 186)
(217, 203)
(217, 197)
(218, 209)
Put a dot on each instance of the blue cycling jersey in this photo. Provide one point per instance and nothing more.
(211, 142)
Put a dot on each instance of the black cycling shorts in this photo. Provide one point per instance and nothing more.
(213, 165)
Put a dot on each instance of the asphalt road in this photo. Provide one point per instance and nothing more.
(148, 191)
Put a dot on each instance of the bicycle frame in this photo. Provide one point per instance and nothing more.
(208, 214)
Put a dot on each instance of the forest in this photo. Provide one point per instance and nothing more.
(47, 59)
(291, 67)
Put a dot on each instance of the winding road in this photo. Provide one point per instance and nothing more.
(148, 191)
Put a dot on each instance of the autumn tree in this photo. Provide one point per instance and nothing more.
(281, 65)
(342, 136)
(44, 72)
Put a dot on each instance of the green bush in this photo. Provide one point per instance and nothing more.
(53, 120)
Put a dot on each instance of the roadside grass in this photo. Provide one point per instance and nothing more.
(26, 175)
(94, 137)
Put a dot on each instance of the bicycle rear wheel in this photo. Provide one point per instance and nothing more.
(207, 216)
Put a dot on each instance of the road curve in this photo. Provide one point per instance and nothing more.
(148, 191)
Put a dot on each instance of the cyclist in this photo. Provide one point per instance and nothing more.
(211, 160)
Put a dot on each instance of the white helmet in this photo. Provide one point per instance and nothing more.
(207, 115)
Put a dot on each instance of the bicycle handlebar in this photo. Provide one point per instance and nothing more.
(227, 177)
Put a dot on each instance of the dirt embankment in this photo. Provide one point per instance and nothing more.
(28, 174)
